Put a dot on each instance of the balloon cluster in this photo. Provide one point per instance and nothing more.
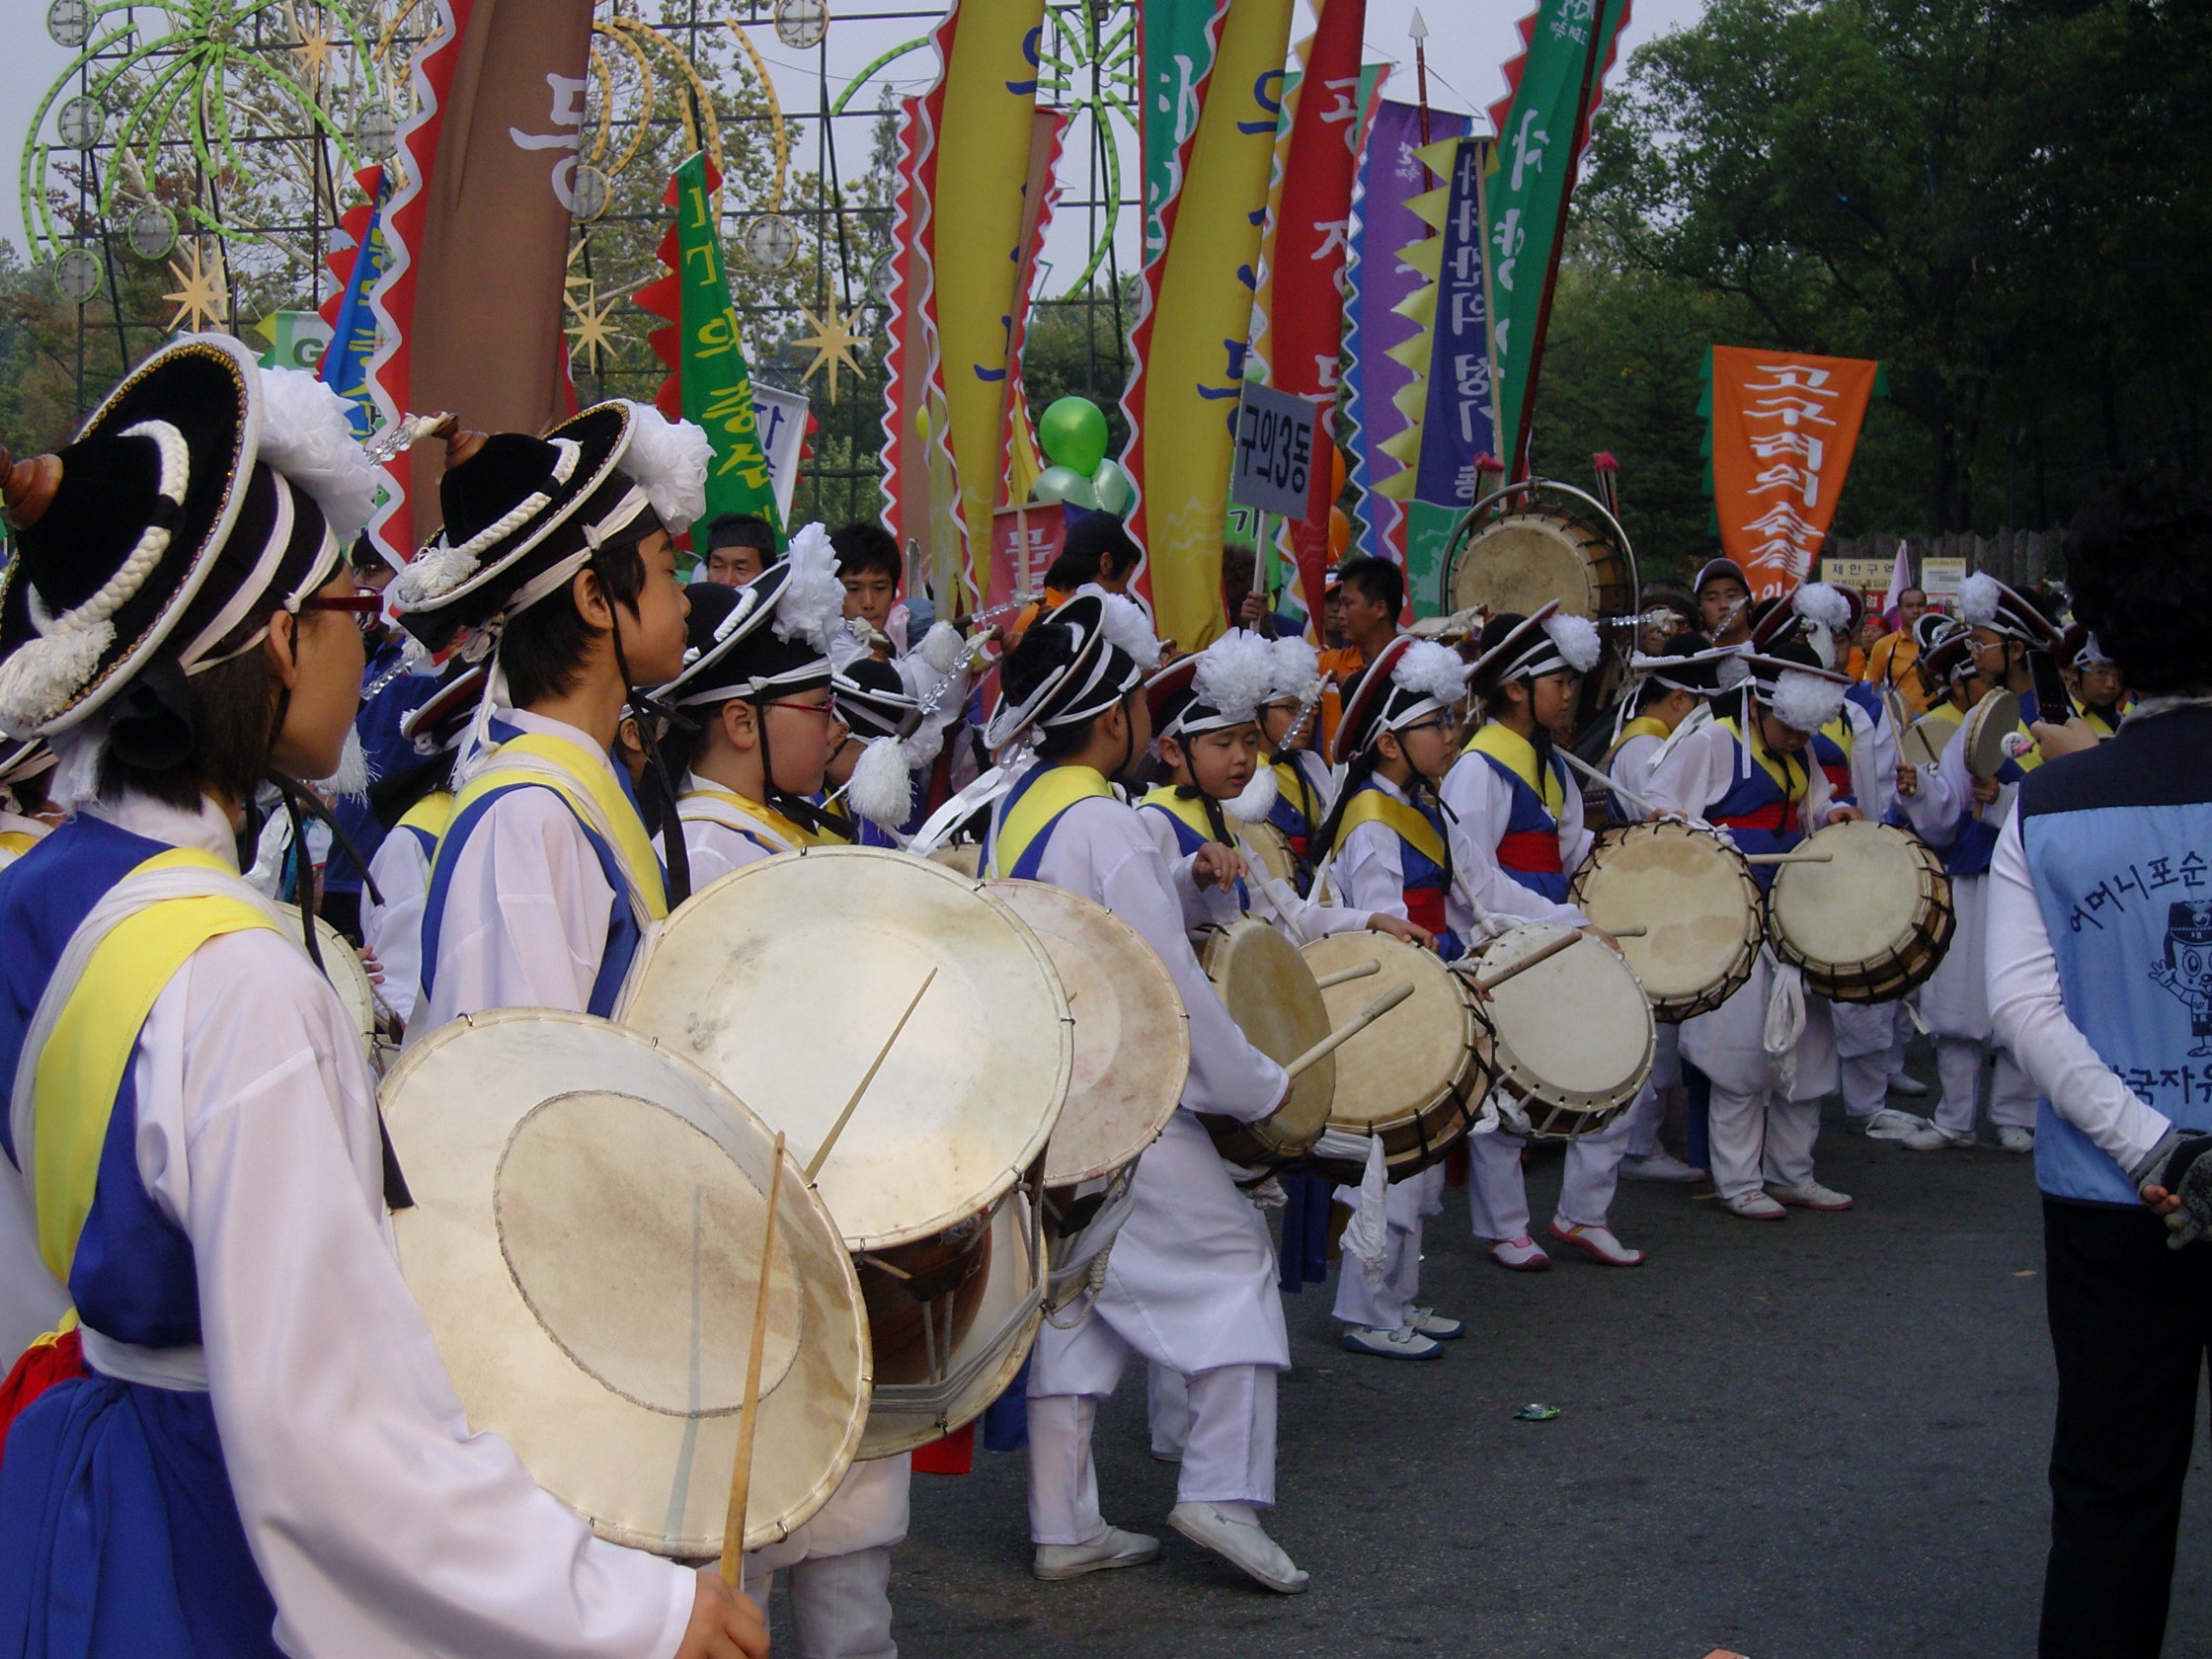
(1072, 431)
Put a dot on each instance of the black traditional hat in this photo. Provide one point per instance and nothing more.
(1818, 612)
(1544, 641)
(1986, 602)
(770, 635)
(1686, 665)
(1409, 680)
(1213, 689)
(872, 700)
(1098, 645)
(1794, 687)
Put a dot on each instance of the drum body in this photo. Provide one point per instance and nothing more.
(1273, 849)
(1985, 731)
(1873, 923)
(341, 966)
(1520, 560)
(584, 1243)
(1574, 1038)
(1270, 993)
(932, 1180)
(1417, 1077)
(967, 857)
(1133, 1051)
(1694, 896)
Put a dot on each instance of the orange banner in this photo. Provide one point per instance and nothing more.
(1784, 428)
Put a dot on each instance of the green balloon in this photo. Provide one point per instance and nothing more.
(1115, 489)
(1065, 484)
(1073, 433)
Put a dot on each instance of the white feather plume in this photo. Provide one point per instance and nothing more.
(942, 648)
(811, 605)
(1126, 625)
(1577, 640)
(879, 791)
(1298, 668)
(1823, 605)
(1731, 673)
(306, 435)
(1978, 600)
(1806, 701)
(353, 774)
(1256, 799)
(1432, 669)
(1235, 675)
(668, 460)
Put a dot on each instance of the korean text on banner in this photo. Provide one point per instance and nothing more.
(1178, 55)
(1461, 423)
(1783, 429)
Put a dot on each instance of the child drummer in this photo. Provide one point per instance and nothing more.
(1287, 725)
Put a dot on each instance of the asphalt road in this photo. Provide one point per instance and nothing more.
(1822, 1438)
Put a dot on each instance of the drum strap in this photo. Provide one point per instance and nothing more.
(1517, 755)
(1025, 822)
(582, 780)
(762, 826)
(16, 842)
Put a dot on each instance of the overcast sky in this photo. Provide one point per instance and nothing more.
(1469, 41)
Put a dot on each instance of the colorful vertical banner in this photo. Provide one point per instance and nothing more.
(1190, 335)
(918, 469)
(1461, 423)
(353, 341)
(709, 381)
(1783, 429)
(1039, 191)
(493, 254)
(1542, 126)
(1177, 53)
(1381, 315)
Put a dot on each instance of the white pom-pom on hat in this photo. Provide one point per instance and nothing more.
(880, 790)
(668, 460)
(1806, 701)
(1823, 605)
(1576, 638)
(811, 605)
(307, 435)
(1125, 626)
(1298, 668)
(1234, 674)
(1979, 597)
(942, 648)
(1433, 670)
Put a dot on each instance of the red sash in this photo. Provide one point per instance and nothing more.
(1424, 908)
(1779, 816)
(1533, 851)
(42, 1365)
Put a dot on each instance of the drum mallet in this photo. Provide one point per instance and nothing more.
(1486, 983)
(830, 1141)
(741, 1473)
(1343, 976)
(1789, 858)
(1351, 1028)
(1604, 782)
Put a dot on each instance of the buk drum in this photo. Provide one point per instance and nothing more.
(341, 966)
(1270, 993)
(1574, 1038)
(1416, 1077)
(1987, 732)
(585, 1242)
(1694, 896)
(1519, 561)
(1871, 922)
(933, 1177)
(967, 857)
(1132, 1050)
(1271, 850)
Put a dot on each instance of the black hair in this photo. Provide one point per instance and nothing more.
(1380, 581)
(1097, 545)
(1043, 652)
(544, 646)
(743, 529)
(364, 555)
(2139, 565)
(866, 547)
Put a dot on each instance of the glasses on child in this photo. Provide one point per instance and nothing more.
(365, 607)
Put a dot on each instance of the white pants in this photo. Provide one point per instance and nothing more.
(1958, 1067)
(1757, 1138)
(1391, 1305)
(1498, 1198)
(840, 1605)
(1644, 1119)
(1229, 1453)
(1865, 1080)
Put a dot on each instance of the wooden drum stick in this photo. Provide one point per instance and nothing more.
(1358, 1023)
(1789, 858)
(1343, 976)
(1542, 953)
(741, 1473)
(830, 1141)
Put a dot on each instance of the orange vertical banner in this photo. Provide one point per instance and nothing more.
(1785, 426)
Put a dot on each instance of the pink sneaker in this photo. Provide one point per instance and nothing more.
(1523, 1254)
(1598, 1245)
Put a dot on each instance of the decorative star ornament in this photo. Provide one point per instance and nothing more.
(593, 333)
(312, 49)
(201, 296)
(832, 341)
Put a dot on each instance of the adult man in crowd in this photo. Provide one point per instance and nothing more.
(1891, 661)
(739, 546)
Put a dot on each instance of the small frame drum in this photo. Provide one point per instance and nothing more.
(1271, 849)
(1694, 896)
(1132, 1050)
(585, 1242)
(1417, 1077)
(1520, 560)
(1871, 922)
(940, 1155)
(1270, 993)
(1574, 1034)
(341, 966)
(1988, 727)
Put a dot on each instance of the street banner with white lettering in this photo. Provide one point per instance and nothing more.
(1785, 426)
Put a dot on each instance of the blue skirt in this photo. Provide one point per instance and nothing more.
(119, 1534)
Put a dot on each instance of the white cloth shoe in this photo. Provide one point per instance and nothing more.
(1889, 1123)
(1598, 1243)
(1755, 1207)
(1522, 1255)
(1111, 1549)
(1403, 1344)
(1906, 1085)
(1440, 1327)
(1232, 1531)
(1933, 1140)
(1659, 1167)
(1811, 1196)
(2016, 1138)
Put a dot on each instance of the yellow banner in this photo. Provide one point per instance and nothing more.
(1193, 356)
(981, 163)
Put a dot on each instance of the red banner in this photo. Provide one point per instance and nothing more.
(1785, 426)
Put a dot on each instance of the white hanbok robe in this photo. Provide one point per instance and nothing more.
(392, 930)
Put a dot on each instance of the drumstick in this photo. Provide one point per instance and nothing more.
(1595, 776)
(821, 1153)
(1357, 971)
(741, 1471)
(1358, 1023)
(1542, 953)
(1635, 932)
(1789, 858)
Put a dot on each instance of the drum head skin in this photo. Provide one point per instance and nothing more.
(1925, 741)
(1133, 1039)
(1270, 993)
(1573, 1031)
(1695, 898)
(1869, 924)
(784, 979)
(584, 1243)
(342, 965)
(1413, 1053)
(965, 857)
(1521, 560)
(1988, 724)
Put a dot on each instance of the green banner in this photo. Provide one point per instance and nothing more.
(1178, 55)
(709, 361)
(1531, 179)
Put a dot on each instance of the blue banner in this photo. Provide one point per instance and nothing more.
(1460, 423)
(353, 341)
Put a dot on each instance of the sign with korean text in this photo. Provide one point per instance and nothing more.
(1785, 426)
(1460, 423)
(1271, 464)
(1024, 542)
(1941, 577)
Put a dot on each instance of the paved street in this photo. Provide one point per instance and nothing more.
(1823, 1438)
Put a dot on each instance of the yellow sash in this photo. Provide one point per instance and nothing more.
(750, 816)
(1187, 811)
(1838, 732)
(1404, 820)
(81, 1066)
(1043, 800)
(430, 814)
(1792, 781)
(585, 784)
(1519, 756)
(16, 842)
(1643, 725)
